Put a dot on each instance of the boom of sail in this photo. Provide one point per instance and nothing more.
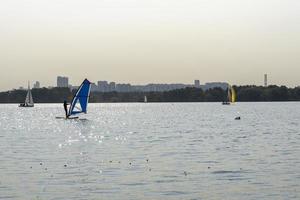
(80, 99)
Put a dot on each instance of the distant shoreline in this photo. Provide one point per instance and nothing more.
(186, 95)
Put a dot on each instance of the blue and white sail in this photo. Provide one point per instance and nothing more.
(81, 99)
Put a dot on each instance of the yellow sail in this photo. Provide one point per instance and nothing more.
(233, 95)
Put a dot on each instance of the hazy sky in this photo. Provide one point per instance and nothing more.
(143, 41)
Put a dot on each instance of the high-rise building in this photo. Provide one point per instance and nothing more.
(266, 80)
(36, 84)
(62, 81)
(102, 86)
(112, 86)
(94, 87)
(197, 83)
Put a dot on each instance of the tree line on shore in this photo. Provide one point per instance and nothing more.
(247, 93)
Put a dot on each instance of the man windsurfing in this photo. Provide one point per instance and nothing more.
(66, 108)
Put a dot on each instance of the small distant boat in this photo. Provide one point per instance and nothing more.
(28, 100)
(145, 99)
(231, 96)
(225, 103)
(80, 100)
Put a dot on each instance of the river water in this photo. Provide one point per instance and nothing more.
(151, 151)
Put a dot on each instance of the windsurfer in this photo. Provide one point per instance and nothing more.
(66, 108)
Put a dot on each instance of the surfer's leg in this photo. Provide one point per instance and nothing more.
(66, 112)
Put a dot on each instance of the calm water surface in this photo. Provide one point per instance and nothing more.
(151, 151)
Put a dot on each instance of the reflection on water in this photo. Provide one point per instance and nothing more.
(151, 151)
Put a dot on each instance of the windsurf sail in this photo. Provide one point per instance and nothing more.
(80, 99)
(228, 93)
(231, 94)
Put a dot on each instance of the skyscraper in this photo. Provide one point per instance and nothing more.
(62, 81)
(112, 86)
(102, 86)
(36, 84)
(266, 80)
(197, 83)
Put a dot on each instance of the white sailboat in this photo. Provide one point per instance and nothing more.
(28, 100)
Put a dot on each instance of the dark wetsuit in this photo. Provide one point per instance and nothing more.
(66, 108)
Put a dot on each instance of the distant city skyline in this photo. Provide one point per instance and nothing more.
(146, 41)
(63, 81)
(108, 86)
